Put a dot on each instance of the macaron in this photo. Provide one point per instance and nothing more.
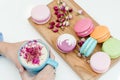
(100, 33)
(66, 43)
(112, 47)
(40, 14)
(88, 47)
(84, 27)
(100, 62)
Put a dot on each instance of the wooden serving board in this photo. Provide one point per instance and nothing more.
(79, 65)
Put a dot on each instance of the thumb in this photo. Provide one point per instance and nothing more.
(26, 76)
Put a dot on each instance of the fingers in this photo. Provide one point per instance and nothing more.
(22, 74)
(48, 73)
(17, 63)
(19, 66)
(25, 76)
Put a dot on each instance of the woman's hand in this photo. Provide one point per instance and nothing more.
(10, 50)
(48, 73)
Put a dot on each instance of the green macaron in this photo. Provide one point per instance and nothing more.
(112, 47)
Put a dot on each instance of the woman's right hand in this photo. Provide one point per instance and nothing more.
(48, 73)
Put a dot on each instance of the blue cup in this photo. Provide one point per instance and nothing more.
(35, 69)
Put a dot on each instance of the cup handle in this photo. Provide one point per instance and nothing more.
(52, 63)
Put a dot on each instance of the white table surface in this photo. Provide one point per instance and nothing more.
(15, 27)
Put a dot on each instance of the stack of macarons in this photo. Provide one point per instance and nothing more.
(99, 35)
(99, 61)
(40, 14)
(84, 27)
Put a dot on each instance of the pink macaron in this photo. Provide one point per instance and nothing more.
(40, 14)
(84, 27)
(66, 43)
(100, 62)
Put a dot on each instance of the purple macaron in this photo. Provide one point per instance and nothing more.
(66, 43)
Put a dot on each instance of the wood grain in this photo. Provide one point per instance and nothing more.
(79, 65)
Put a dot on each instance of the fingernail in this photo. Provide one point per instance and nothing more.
(20, 70)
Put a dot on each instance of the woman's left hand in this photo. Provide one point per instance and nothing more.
(10, 50)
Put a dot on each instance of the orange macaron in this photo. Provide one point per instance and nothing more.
(100, 33)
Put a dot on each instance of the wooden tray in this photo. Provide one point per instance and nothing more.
(79, 65)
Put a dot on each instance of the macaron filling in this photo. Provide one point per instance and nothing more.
(104, 38)
(41, 21)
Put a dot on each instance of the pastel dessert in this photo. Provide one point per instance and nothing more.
(66, 43)
(100, 33)
(88, 47)
(40, 14)
(100, 62)
(34, 55)
(112, 47)
(84, 27)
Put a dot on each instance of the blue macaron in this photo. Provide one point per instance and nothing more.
(88, 47)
